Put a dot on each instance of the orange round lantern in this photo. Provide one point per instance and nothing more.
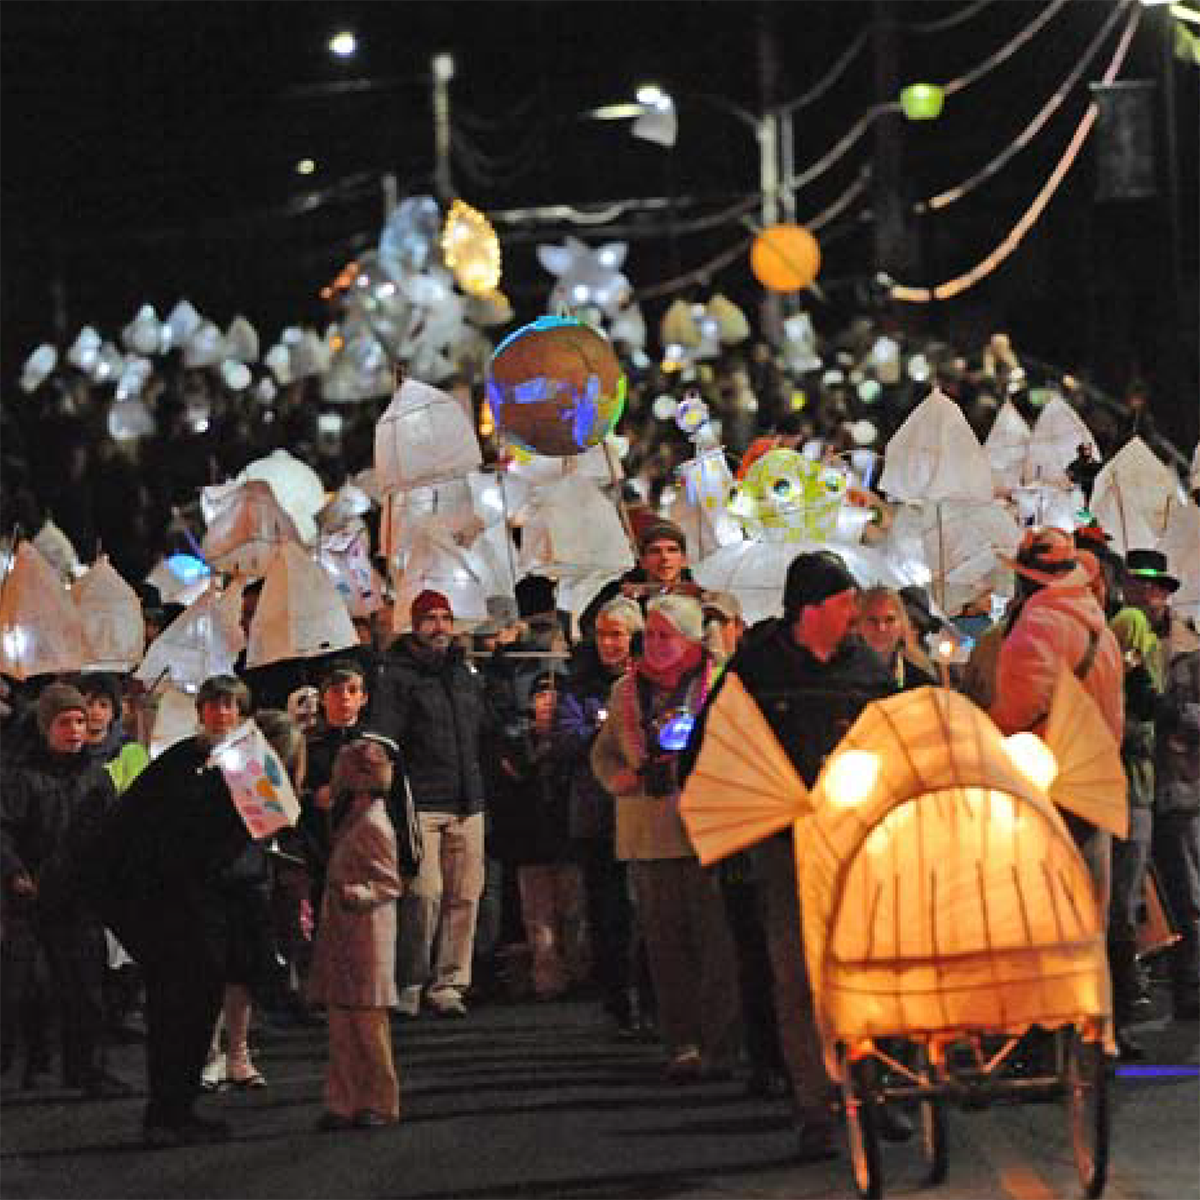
(785, 258)
(555, 387)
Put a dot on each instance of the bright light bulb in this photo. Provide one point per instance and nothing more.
(1033, 758)
(306, 166)
(343, 44)
(850, 777)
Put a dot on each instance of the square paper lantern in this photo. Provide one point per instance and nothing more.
(424, 437)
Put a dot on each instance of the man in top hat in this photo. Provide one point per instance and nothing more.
(1174, 661)
(431, 703)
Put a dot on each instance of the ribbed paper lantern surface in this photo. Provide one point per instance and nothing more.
(555, 387)
(785, 258)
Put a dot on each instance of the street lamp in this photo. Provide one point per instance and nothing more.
(306, 166)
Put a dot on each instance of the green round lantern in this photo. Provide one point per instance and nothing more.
(922, 101)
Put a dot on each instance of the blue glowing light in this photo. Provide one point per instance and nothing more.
(675, 733)
(187, 569)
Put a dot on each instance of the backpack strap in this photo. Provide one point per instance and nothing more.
(1089, 655)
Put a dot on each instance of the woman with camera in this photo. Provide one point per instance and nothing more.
(634, 758)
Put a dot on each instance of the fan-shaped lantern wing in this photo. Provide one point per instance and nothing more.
(40, 629)
(114, 632)
(743, 787)
(300, 613)
(424, 437)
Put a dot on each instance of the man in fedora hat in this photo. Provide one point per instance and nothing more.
(1174, 661)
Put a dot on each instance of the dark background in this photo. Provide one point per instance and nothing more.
(149, 154)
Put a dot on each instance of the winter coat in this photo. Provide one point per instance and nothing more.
(1053, 630)
(808, 703)
(122, 756)
(432, 705)
(530, 807)
(161, 862)
(648, 826)
(1177, 741)
(354, 961)
(52, 810)
(582, 708)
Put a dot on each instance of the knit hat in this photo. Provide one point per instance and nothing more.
(363, 765)
(57, 698)
(812, 578)
(683, 612)
(426, 602)
(661, 531)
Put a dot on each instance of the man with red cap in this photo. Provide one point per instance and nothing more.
(430, 702)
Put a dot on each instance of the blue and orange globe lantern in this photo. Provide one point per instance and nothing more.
(555, 387)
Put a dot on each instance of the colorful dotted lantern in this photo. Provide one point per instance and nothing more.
(555, 387)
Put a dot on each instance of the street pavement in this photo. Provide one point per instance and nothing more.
(544, 1101)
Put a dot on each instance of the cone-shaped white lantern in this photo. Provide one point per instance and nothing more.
(241, 340)
(300, 612)
(297, 487)
(56, 548)
(1054, 444)
(175, 718)
(246, 532)
(114, 633)
(1179, 544)
(436, 563)
(206, 346)
(442, 509)
(424, 437)
(40, 630)
(1006, 447)
(143, 335)
(935, 455)
(204, 640)
(1135, 489)
(345, 557)
(571, 529)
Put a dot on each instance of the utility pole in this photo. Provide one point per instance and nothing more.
(893, 234)
(443, 72)
(768, 153)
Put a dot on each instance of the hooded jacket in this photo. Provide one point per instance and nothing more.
(433, 707)
(1054, 630)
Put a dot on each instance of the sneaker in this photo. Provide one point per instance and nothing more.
(448, 1006)
(212, 1078)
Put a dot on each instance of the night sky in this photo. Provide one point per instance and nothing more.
(149, 153)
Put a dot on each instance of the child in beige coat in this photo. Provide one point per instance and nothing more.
(353, 970)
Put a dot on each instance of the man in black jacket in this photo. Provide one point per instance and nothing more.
(431, 703)
(54, 804)
(811, 678)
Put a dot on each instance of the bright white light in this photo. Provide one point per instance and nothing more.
(343, 44)
(16, 641)
(580, 292)
(306, 166)
(652, 96)
(1033, 758)
(443, 67)
(850, 777)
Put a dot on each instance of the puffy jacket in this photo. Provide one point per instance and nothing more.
(432, 705)
(51, 814)
(1054, 630)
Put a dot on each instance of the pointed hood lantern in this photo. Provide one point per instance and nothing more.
(245, 533)
(1006, 446)
(424, 437)
(114, 632)
(204, 640)
(40, 630)
(1054, 444)
(935, 455)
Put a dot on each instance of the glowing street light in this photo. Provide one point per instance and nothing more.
(306, 166)
(343, 44)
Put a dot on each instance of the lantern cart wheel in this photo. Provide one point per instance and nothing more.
(858, 1102)
(932, 1127)
(1087, 1110)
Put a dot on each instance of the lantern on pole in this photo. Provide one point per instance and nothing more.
(785, 258)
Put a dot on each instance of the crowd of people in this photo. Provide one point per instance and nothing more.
(493, 813)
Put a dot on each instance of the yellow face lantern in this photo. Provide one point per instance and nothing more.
(787, 497)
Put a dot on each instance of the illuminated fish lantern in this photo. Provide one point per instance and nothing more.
(555, 387)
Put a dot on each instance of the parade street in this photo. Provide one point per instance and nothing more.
(542, 1101)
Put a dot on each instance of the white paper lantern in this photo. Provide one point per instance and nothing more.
(245, 533)
(204, 640)
(175, 718)
(296, 486)
(143, 335)
(40, 630)
(438, 564)
(424, 437)
(110, 613)
(1054, 444)
(345, 557)
(571, 529)
(300, 613)
(935, 455)
(241, 340)
(38, 367)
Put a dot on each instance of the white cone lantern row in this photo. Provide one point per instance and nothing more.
(114, 632)
(300, 614)
(424, 437)
(1135, 490)
(1054, 444)
(40, 629)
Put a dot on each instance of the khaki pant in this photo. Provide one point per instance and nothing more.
(552, 909)
(691, 957)
(361, 1072)
(437, 912)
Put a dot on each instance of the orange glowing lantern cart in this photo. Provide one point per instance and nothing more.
(947, 910)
